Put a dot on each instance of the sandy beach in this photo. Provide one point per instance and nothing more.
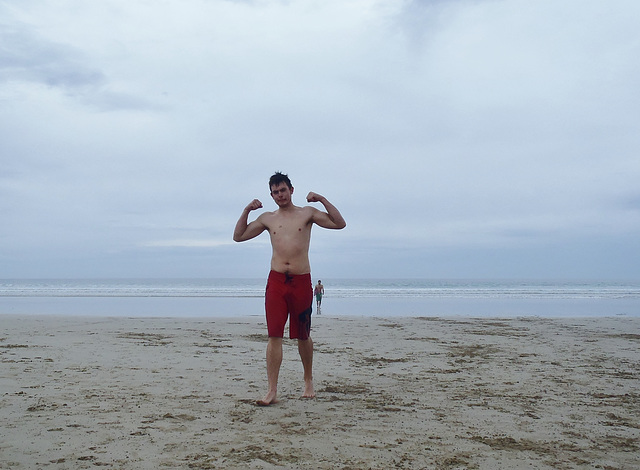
(409, 393)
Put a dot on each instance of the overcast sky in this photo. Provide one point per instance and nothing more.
(459, 138)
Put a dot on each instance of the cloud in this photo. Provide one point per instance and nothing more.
(27, 56)
(187, 243)
(460, 126)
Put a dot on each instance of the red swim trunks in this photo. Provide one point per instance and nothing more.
(289, 296)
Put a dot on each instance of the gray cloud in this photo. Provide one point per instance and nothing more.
(25, 56)
(448, 133)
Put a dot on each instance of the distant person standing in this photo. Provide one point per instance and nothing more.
(318, 291)
(289, 292)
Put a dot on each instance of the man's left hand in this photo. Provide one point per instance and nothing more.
(313, 197)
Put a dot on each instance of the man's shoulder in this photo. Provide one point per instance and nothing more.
(265, 217)
(298, 212)
(308, 212)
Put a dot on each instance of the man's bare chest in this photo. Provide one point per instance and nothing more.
(289, 226)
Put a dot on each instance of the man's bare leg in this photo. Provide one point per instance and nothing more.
(274, 360)
(305, 348)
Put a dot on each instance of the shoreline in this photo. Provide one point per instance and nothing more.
(220, 307)
(393, 392)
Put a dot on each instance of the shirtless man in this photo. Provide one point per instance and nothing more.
(318, 291)
(289, 291)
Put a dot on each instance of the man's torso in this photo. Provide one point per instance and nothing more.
(290, 233)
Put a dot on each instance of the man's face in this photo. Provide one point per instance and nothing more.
(281, 194)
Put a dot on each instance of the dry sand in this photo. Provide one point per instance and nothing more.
(409, 393)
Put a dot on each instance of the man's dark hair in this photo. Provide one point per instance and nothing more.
(278, 178)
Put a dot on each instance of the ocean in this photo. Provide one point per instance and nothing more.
(372, 297)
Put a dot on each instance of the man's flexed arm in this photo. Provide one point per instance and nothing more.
(244, 230)
(330, 219)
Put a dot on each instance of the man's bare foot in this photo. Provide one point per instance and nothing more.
(309, 392)
(269, 399)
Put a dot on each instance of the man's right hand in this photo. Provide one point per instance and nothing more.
(253, 205)
(244, 230)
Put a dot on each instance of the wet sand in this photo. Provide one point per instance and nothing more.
(397, 392)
